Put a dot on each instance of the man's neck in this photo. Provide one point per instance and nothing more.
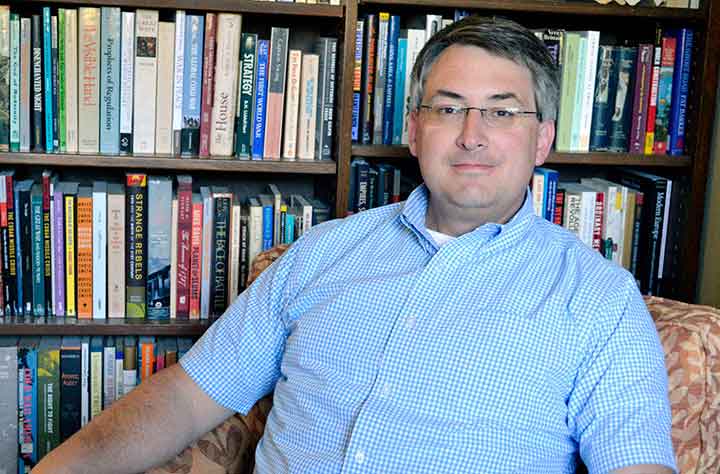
(456, 222)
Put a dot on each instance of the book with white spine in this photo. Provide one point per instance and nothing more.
(116, 250)
(89, 80)
(292, 105)
(308, 107)
(127, 75)
(178, 74)
(146, 35)
(225, 88)
(25, 74)
(99, 249)
(164, 107)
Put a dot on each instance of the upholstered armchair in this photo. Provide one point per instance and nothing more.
(690, 336)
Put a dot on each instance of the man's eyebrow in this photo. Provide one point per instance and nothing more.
(448, 94)
(504, 96)
(497, 97)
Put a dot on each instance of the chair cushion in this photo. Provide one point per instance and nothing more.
(690, 336)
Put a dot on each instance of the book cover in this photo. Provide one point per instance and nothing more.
(24, 245)
(110, 80)
(664, 98)
(26, 75)
(178, 78)
(116, 250)
(136, 241)
(308, 107)
(641, 97)
(208, 82)
(127, 82)
(246, 95)
(70, 367)
(144, 102)
(164, 106)
(184, 235)
(38, 251)
(69, 193)
(37, 128)
(158, 278)
(14, 75)
(292, 105)
(9, 243)
(622, 111)
(680, 90)
(84, 245)
(89, 80)
(277, 72)
(8, 404)
(99, 249)
(325, 117)
(192, 85)
(195, 256)
(225, 88)
(47, 185)
(71, 81)
(220, 250)
(48, 80)
(260, 100)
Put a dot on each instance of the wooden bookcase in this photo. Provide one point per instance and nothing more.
(342, 21)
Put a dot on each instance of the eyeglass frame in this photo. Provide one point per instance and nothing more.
(483, 111)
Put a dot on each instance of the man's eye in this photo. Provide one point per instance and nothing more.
(449, 110)
(502, 113)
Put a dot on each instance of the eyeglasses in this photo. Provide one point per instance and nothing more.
(495, 117)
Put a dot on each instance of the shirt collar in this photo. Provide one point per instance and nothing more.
(415, 209)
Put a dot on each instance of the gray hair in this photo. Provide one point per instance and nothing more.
(500, 37)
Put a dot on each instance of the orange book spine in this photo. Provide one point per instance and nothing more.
(147, 360)
(84, 256)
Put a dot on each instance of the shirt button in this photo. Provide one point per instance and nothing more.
(385, 390)
(360, 457)
(410, 322)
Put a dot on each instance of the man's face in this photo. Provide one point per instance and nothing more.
(471, 168)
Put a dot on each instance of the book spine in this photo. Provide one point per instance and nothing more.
(681, 85)
(219, 275)
(70, 262)
(96, 376)
(25, 243)
(368, 79)
(147, 357)
(196, 259)
(84, 253)
(416, 40)
(10, 283)
(164, 106)
(173, 257)
(37, 129)
(243, 140)
(38, 254)
(662, 117)
(292, 105)
(9, 395)
(136, 240)
(62, 124)
(192, 84)
(178, 76)
(277, 71)
(127, 76)
(641, 97)
(326, 96)
(234, 255)
(116, 253)
(71, 81)
(47, 77)
(109, 81)
(89, 75)
(208, 82)
(58, 252)
(260, 101)
(225, 90)
(357, 80)
(84, 381)
(207, 239)
(27, 405)
(652, 104)
(588, 89)
(380, 76)
(47, 243)
(184, 236)
(99, 250)
(621, 118)
(597, 227)
(159, 213)
(49, 397)
(4, 78)
(146, 32)
(14, 68)
(392, 53)
(55, 109)
(108, 369)
(267, 229)
(25, 82)
(70, 367)
(244, 266)
(399, 98)
(308, 107)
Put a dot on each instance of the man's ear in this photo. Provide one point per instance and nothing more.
(412, 119)
(545, 137)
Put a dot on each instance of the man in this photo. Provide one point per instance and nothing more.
(455, 332)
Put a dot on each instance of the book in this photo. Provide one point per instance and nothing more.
(357, 80)
(61, 72)
(260, 100)
(9, 404)
(292, 105)
(24, 246)
(127, 83)
(136, 241)
(145, 90)
(620, 120)
(196, 243)
(208, 83)
(184, 235)
(392, 54)
(178, 79)
(14, 77)
(116, 250)
(4, 78)
(277, 72)
(664, 97)
(27, 360)
(244, 118)
(130, 357)
(88, 80)
(71, 81)
(110, 80)
(164, 104)
(26, 64)
(38, 252)
(37, 127)
(69, 193)
(70, 389)
(48, 80)
(380, 76)
(207, 240)
(96, 375)
(58, 244)
(641, 98)
(109, 378)
(308, 107)
(220, 249)
(84, 245)
(100, 249)
(399, 97)
(158, 256)
(225, 88)
(367, 81)
(652, 103)
(680, 91)
(47, 185)
(192, 85)
(326, 49)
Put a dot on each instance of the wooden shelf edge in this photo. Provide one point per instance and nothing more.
(99, 327)
(598, 158)
(238, 6)
(169, 163)
(554, 7)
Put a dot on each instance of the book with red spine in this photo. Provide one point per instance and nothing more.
(208, 81)
(184, 231)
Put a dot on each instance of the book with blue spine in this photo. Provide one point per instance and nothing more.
(680, 87)
(268, 225)
(399, 99)
(389, 92)
(14, 82)
(258, 142)
(47, 75)
(38, 252)
(192, 85)
(158, 271)
(110, 80)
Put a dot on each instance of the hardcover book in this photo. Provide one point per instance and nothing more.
(71, 81)
(127, 75)
(225, 90)
(308, 107)
(116, 250)
(99, 249)
(192, 85)
(277, 71)
(4, 78)
(158, 279)
(110, 80)
(164, 107)
(184, 234)
(146, 32)
(136, 241)
(325, 117)
(246, 94)
(84, 253)
(208, 83)
(258, 138)
(70, 399)
(89, 80)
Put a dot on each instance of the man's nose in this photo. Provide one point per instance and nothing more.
(473, 134)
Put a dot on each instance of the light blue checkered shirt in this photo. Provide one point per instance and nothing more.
(513, 348)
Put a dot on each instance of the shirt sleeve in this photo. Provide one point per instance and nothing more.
(619, 409)
(237, 360)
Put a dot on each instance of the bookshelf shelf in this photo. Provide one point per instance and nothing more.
(108, 327)
(554, 7)
(236, 6)
(609, 159)
(169, 163)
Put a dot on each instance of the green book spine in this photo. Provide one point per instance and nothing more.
(61, 80)
(48, 395)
